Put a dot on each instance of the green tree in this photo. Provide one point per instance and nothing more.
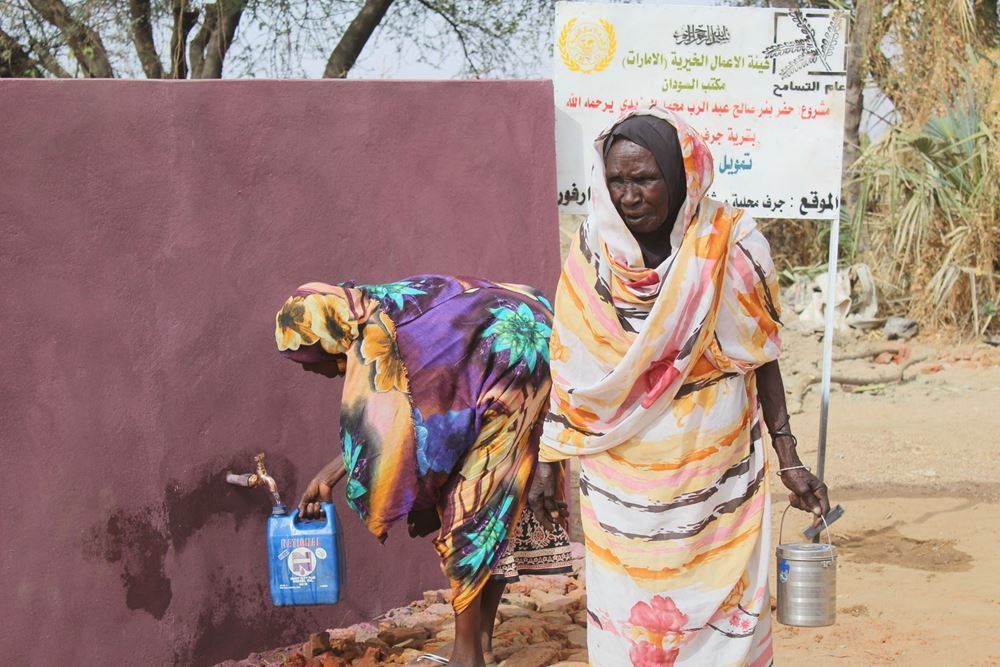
(202, 39)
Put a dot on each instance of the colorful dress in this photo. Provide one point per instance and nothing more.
(653, 388)
(446, 381)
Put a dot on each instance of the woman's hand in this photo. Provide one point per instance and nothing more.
(808, 493)
(542, 499)
(420, 523)
(320, 490)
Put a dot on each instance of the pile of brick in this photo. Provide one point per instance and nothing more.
(541, 622)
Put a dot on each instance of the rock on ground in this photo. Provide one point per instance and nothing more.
(538, 624)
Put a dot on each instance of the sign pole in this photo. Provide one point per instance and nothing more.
(831, 300)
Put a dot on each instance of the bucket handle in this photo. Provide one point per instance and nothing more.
(781, 527)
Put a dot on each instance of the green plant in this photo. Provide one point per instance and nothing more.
(930, 200)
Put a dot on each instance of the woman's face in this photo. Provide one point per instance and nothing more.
(637, 188)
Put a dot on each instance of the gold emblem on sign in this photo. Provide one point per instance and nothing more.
(586, 46)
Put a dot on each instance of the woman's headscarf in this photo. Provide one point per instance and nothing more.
(330, 315)
(625, 336)
(660, 139)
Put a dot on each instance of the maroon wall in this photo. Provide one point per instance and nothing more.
(148, 233)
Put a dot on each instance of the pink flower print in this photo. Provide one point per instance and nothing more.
(660, 375)
(660, 616)
(644, 654)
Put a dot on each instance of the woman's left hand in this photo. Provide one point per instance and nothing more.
(808, 493)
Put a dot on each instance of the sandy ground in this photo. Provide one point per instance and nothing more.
(917, 468)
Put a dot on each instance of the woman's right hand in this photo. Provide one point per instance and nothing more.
(320, 490)
(542, 499)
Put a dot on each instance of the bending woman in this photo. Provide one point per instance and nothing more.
(445, 383)
(663, 359)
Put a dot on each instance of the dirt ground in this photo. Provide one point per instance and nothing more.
(917, 468)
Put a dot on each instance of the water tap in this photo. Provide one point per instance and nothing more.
(258, 478)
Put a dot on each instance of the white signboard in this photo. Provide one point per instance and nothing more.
(764, 87)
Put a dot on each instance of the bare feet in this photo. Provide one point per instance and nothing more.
(489, 601)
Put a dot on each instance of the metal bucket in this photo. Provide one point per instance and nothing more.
(807, 582)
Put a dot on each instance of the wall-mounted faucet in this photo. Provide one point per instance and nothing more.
(252, 479)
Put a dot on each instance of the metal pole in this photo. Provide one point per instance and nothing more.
(831, 300)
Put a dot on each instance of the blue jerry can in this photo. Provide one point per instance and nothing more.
(304, 558)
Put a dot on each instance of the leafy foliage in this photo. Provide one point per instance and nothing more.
(930, 200)
(265, 38)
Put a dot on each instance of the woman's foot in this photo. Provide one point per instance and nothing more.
(487, 642)
(468, 651)
(490, 601)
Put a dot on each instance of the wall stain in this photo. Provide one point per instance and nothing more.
(243, 616)
(139, 547)
(138, 540)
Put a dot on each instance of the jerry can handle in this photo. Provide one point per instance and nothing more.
(314, 524)
(781, 527)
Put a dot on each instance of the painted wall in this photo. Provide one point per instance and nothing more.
(148, 233)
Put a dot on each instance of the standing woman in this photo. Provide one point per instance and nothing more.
(663, 353)
(446, 380)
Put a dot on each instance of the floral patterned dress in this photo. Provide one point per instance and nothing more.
(446, 381)
(653, 388)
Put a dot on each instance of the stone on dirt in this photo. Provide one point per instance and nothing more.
(397, 635)
(577, 637)
(372, 657)
(541, 621)
(520, 600)
(508, 611)
(437, 597)
(319, 642)
(556, 618)
(532, 656)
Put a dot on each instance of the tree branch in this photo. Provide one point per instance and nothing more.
(83, 41)
(15, 63)
(457, 30)
(47, 60)
(142, 37)
(196, 51)
(228, 14)
(184, 20)
(346, 53)
(857, 72)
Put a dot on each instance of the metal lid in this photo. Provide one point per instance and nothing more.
(807, 551)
